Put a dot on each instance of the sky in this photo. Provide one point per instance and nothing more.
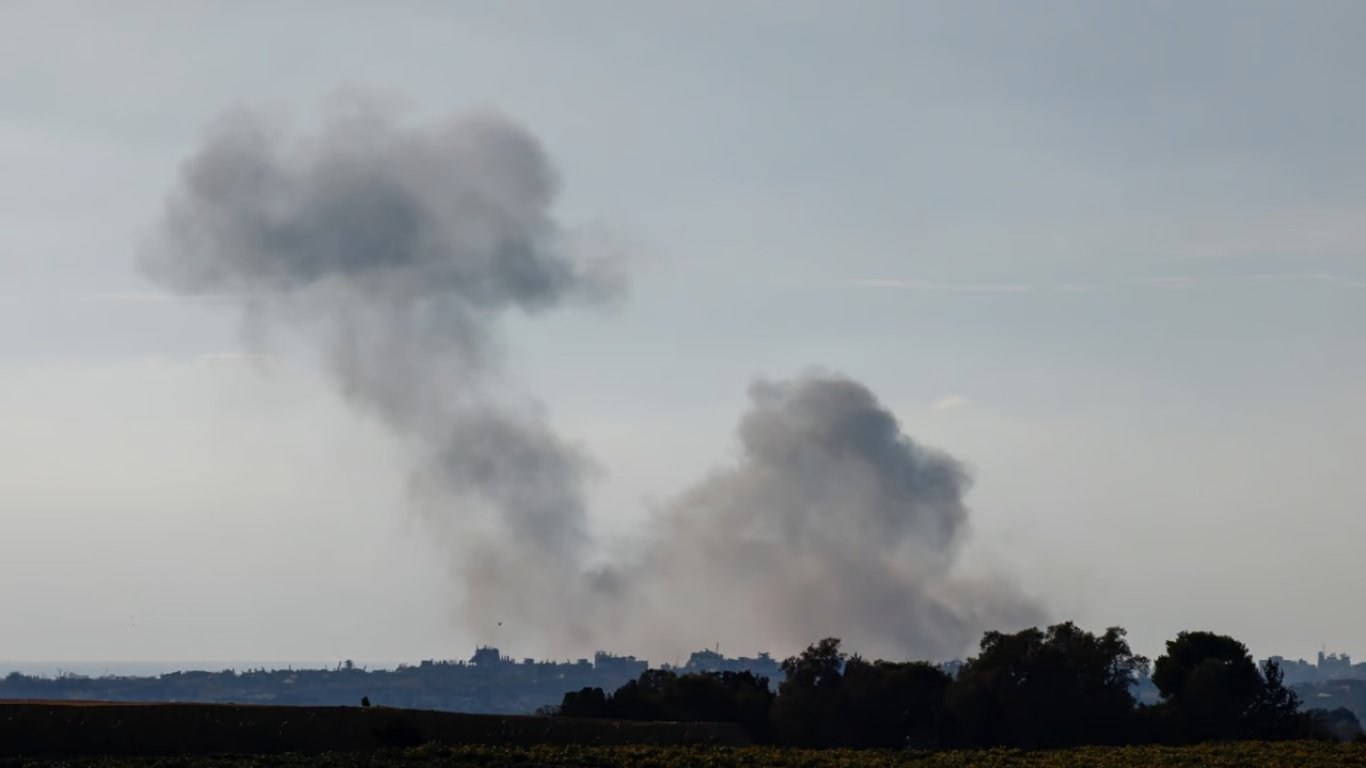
(1112, 257)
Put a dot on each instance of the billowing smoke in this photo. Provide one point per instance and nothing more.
(395, 251)
(831, 522)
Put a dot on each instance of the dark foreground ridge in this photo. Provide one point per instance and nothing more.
(68, 729)
(1285, 754)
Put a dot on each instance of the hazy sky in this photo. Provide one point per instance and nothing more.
(1112, 256)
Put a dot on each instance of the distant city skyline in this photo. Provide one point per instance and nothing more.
(1338, 662)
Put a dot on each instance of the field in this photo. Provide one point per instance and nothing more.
(92, 735)
(1252, 755)
(44, 729)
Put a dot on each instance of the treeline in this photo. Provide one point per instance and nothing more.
(1058, 687)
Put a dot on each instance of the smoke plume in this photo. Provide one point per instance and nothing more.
(396, 250)
(831, 522)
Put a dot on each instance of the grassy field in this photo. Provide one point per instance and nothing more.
(1285, 754)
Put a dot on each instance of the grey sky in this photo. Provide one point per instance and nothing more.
(1112, 256)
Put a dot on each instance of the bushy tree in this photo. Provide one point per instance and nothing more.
(806, 712)
(892, 705)
(1037, 688)
(587, 702)
(723, 697)
(1340, 724)
(1212, 690)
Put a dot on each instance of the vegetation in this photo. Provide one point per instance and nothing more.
(1062, 687)
(1220, 755)
(1034, 689)
(661, 695)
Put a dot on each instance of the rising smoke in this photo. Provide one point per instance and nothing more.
(396, 250)
(831, 522)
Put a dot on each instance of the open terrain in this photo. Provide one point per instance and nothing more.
(71, 729)
(42, 734)
(1231, 755)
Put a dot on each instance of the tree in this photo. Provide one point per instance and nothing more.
(723, 697)
(1212, 689)
(587, 702)
(1175, 671)
(1339, 724)
(1036, 688)
(892, 705)
(645, 698)
(806, 712)
(749, 702)
(1275, 712)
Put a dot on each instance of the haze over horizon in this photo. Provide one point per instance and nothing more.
(1084, 285)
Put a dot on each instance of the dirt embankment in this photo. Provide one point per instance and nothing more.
(57, 729)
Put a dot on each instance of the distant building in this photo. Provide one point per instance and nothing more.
(1326, 667)
(762, 665)
(1334, 665)
(487, 656)
(627, 666)
(486, 682)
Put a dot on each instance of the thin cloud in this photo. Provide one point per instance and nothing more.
(950, 402)
(923, 285)
(1073, 287)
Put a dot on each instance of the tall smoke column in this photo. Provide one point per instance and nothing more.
(832, 522)
(395, 250)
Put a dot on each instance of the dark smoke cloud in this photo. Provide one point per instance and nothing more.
(832, 522)
(396, 250)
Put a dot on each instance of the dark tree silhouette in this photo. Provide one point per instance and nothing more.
(1275, 712)
(892, 705)
(587, 702)
(723, 697)
(1036, 688)
(1339, 724)
(1211, 689)
(806, 712)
